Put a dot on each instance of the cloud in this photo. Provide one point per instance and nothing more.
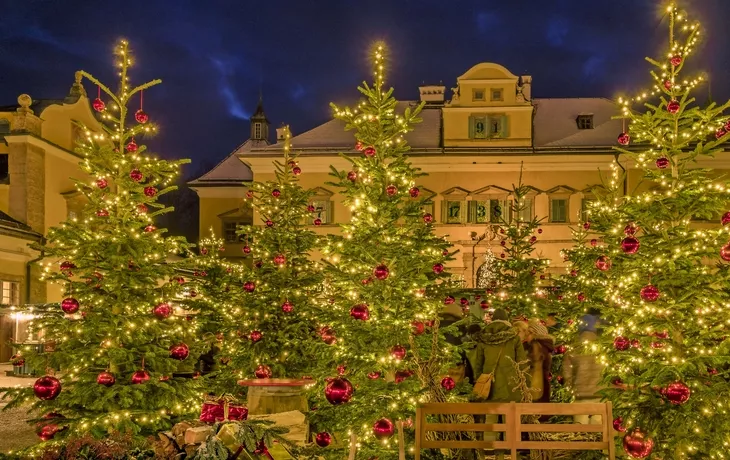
(226, 68)
(557, 31)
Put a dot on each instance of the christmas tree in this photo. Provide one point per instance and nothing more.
(666, 349)
(385, 288)
(117, 345)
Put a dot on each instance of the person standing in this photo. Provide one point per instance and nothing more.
(541, 346)
(581, 369)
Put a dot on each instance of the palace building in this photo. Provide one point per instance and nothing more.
(474, 147)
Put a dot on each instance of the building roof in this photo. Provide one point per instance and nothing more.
(556, 126)
(230, 171)
(13, 227)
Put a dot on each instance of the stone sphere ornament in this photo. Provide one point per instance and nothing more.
(140, 377)
(630, 245)
(179, 352)
(106, 378)
(360, 312)
(323, 439)
(70, 305)
(338, 391)
(638, 444)
(262, 372)
(47, 387)
(677, 393)
(383, 428)
(448, 383)
(624, 138)
(162, 310)
(603, 263)
(381, 272)
(649, 293)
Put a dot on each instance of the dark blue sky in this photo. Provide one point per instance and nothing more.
(215, 55)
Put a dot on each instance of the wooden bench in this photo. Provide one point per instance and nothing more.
(512, 426)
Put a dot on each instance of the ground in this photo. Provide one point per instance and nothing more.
(14, 432)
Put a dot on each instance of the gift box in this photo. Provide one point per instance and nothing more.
(218, 410)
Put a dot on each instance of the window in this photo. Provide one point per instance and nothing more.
(322, 211)
(488, 127)
(454, 212)
(478, 95)
(230, 227)
(559, 210)
(4, 171)
(486, 211)
(585, 121)
(257, 130)
(522, 211)
(10, 293)
(497, 94)
(428, 208)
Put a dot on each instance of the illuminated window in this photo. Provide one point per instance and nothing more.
(454, 212)
(486, 211)
(488, 127)
(322, 211)
(10, 293)
(230, 229)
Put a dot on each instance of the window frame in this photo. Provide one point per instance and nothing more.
(13, 292)
(499, 91)
(257, 130)
(551, 216)
(325, 215)
(530, 209)
(503, 126)
(237, 222)
(447, 219)
(583, 208)
(476, 91)
(584, 121)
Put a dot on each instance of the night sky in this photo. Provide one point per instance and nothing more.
(215, 56)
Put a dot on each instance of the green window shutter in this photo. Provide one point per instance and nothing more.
(471, 126)
(505, 129)
(559, 210)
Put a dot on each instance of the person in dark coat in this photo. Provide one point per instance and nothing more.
(541, 346)
(451, 315)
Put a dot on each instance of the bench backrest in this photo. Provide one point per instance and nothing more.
(512, 427)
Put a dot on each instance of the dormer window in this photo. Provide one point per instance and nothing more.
(585, 121)
(497, 94)
(478, 95)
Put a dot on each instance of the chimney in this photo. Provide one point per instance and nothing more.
(281, 133)
(432, 94)
(527, 87)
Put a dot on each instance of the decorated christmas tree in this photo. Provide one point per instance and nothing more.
(116, 345)
(666, 268)
(385, 278)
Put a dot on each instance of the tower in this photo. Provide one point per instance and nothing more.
(260, 124)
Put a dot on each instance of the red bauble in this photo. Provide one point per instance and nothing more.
(179, 351)
(448, 383)
(328, 335)
(673, 106)
(720, 132)
(676, 60)
(649, 293)
(102, 183)
(323, 439)
(338, 391)
(373, 375)
(276, 193)
(586, 226)
(726, 218)
(280, 259)
(484, 305)
(70, 305)
(246, 250)
(249, 286)
(428, 218)
(677, 393)
(102, 213)
(398, 352)
(98, 105)
(662, 162)
(317, 222)
(391, 190)
(464, 302)
(637, 444)
(141, 116)
(296, 170)
(400, 376)
(618, 425)
(17, 360)
(668, 85)
(603, 263)
(438, 268)
(162, 310)
(594, 242)
(142, 208)
(131, 146)
(352, 176)
(630, 245)
(48, 431)
(381, 272)
(574, 272)
(255, 336)
(262, 372)
(287, 307)
(359, 146)
(47, 387)
(624, 138)
(360, 311)
(631, 229)
(106, 378)
(383, 428)
(418, 327)
(449, 300)
(414, 192)
(581, 297)
(725, 252)
(150, 191)
(621, 343)
(66, 268)
(150, 228)
(136, 175)
(560, 350)
(369, 151)
(635, 343)
(140, 377)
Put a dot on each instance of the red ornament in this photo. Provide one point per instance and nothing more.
(649, 293)
(352, 176)
(141, 116)
(359, 146)
(657, 345)
(668, 85)
(428, 218)
(624, 138)
(381, 272)
(677, 393)
(280, 259)
(618, 425)
(246, 249)
(249, 286)
(581, 297)
(338, 391)
(98, 105)
(102, 213)
(66, 268)
(102, 183)
(621, 343)
(464, 302)
(673, 106)
(106, 378)
(249, 194)
(131, 146)
(586, 225)
(136, 175)
(662, 162)
(373, 375)
(17, 360)
(448, 383)
(449, 300)
(725, 252)
(276, 193)
(369, 151)
(140, 377)
(414, 192)
(438, 268)
(484, 305)
(637, 444)
(179, 351)
(603, 263)
(631, 229)
(391, 190)
(445, 252)
(676, 60)
(720, 132)
(142, 208)
(328, 335)
(574, 272)
(287, 307)
(150, 228)
(383, 428)
(70, 305)
(162, 311)
(47, 387)
(360, 311)
(630, 245)
(726, 218)
(296, 170)
(255, 336)
(317, 222)
(560, 349)
(323, 439)
(635, 343)
(48, 431)
(150, 191)
(398, 352)
(418, 327)
(262, 372)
